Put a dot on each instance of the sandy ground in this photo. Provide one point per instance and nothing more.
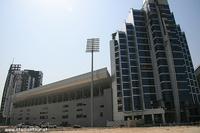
(185, 129)
(174, 129)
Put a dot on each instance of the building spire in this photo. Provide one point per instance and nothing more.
(13, 60)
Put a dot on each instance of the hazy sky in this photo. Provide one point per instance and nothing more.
(50, 35)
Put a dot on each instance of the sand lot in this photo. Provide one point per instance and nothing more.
(178, 129)
(174, 129)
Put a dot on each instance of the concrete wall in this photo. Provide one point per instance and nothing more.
(56, 111)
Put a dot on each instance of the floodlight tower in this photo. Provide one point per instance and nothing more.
(92, 46)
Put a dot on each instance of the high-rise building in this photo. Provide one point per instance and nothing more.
(11, 81)
(17, 81)
(30, 79)
(152, 70)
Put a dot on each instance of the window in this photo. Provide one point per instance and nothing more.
(137, 103)
(139, 23)
(129, 26)
(132, 50)
(101, 114)
(180, 69)
(79, 104)
(146, 67)
(167, 96)
(127, 104)
(134, 77)
(163, 69)
(65, 116)
(133, 63)
(135, 83)
(143, 47)
(43, 112)
(123, 46)
(148, 81)
(132, 56)
(124, 59)
(174, 41)
(172, 35)
(160, 54)
(144, 53)
(181, 77)
(153, 21)
(157, 34)
(145, 60)
(144, 41)
(155, 28)
(177, 55)
(185, 98)
(162, 62)
(139, 18)
(124, 65)
(149, 89)
(179, 62)
(126, 85)
(44, 117)
(131, 38)
(134, 69)
(127, 92)
(182, 85)
(148, 119)
(120, 108)
(122, 35)
(130, 32)
(125, 78)
(122, 41)
(125, 72)
(140, 29)
(123, 52)
(166, 86)
(136, 91)
(119, 94)
(176, 48)
(118, 87)
(79, 110)
(164, 77)
(147, 74)
(101, 106)
(153, 16)
(138, 12)
(149, 101)
(164, 7)
(117, 61)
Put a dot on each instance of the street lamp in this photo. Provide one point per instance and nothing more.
(92, 46)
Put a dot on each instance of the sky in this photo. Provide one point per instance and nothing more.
(50, 35)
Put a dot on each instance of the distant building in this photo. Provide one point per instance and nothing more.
(151, 68)
(66, 102)
(17, 81)
(30, 79)
(197, 73)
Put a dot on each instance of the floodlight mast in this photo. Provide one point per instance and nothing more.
(92, 46)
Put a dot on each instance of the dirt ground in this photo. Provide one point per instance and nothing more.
(178, 129)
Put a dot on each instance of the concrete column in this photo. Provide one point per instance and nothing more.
(153, 119)
(163, 118)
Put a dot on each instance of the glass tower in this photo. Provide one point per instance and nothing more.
(152, 70)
